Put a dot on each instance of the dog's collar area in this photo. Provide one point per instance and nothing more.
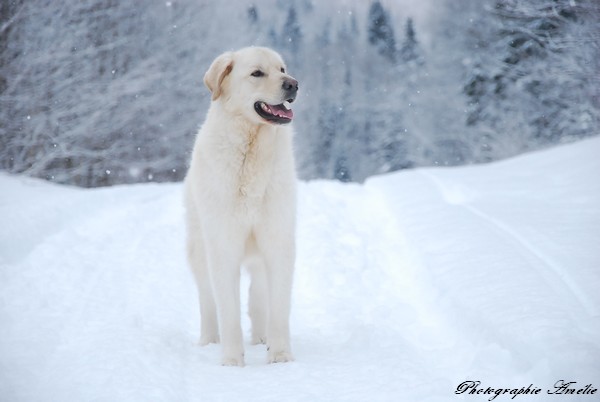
(279, 114)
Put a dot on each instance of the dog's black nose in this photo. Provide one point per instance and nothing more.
(290, 85)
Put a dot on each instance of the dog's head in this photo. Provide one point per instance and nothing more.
(253, 82)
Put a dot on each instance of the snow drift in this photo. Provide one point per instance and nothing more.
(405, 287)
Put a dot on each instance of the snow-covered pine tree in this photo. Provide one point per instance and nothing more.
(410, 51)
(534, 85)
(381, 31)
(292, 33)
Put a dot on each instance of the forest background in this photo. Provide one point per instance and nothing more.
(103, 92)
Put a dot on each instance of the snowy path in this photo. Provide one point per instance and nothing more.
(405, 287)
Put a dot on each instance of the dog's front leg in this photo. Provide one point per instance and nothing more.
(279, 274)
(279, 255)
(225, 277)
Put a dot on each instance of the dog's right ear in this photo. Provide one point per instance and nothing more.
(217, 72)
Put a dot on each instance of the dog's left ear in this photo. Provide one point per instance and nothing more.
(217, 72)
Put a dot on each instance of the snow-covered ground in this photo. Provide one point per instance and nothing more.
(405, 287)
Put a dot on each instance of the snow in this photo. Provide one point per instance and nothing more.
(405, 287)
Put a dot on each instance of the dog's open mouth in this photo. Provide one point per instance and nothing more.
(279, 114)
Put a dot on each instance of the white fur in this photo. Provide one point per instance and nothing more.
(241, 207)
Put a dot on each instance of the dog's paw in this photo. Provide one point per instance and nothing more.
(282, 356)
(233, 361)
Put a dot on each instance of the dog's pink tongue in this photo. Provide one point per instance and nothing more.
(281, 111)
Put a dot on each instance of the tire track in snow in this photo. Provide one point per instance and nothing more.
(407, 292)
(455, 196)
(404, 278)
(373, 275)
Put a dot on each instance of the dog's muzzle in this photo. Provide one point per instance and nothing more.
(282, 113)
(290, 88)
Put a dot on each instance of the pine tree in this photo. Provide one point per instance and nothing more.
(381, 31)
(410, 47)
(252, 14)
(292, 33)
(520, 92)
(342, 171)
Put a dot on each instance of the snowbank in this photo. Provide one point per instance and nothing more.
(405, 287)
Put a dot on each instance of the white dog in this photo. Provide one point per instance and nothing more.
(240, 194)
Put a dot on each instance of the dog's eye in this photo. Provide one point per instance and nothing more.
(283, 70)
(257, 73)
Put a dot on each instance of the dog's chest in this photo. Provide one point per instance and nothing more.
(255, 173)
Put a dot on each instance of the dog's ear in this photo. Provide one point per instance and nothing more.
(217, 72)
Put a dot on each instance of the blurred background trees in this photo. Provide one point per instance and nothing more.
(100, 92)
